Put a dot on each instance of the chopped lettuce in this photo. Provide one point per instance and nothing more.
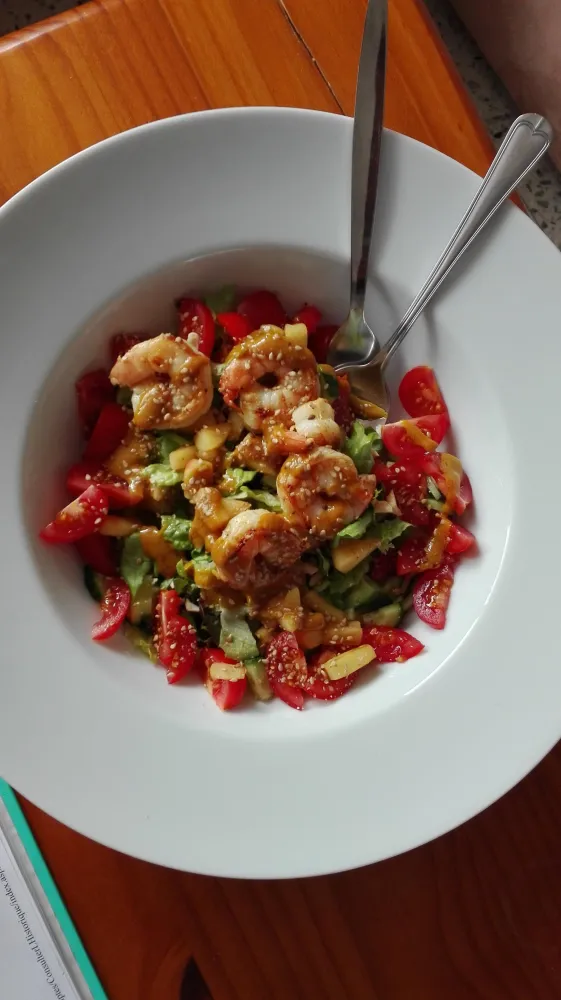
(140, 641)
(216, 371)
(433, 489)
(124, 396)
(176, 530)
(161, 475)
(337, 584)
(236, 638)
(364, 592)
(261, 498)
(360, 445)
(135, 564)
(222, 299)
(328, 384)
(201, 559)
(390, 614)
(239, 477)
(358, 528)
(181, 584)
(388, 531)
(169, 441)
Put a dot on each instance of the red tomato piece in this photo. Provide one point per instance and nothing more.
(287, 669)
(409, 485)
(98, 551)
(93, 391)
(383, 565)
(228, 694)
(115, 604)
(409, 438)
(460, 540)
(235, 326)
(391, 645)
(108, 433)
(431, 594)
(80, 518)
(465, 496)
(83, 474)
(318, 684)
(319, 341)
(420, 393)
(310, 316)
(121, 343)
(196, 317)
(176, 639)
(261, 308)
(411, 557)
(211, 654)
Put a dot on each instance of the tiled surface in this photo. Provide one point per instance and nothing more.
(542, 193)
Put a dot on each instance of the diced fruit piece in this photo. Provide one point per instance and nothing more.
(79, 518)
(316, 602)
(178, 459)
(391, 644)
(116, 526)
(286, 669)
(420, 393)
(176, 639)
(258, 680)
(85, 474)
(114, 606)
(344, 664)
(237, 327)
(350, 552)
(409, 438)
(390, 614)
(296, 333)
(343, 634)
(319, 685)
(460, 540)
(211, 438)
(159, 550)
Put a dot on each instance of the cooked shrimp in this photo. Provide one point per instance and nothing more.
(171, 382)
(268, 376)
(255, 548)
(324, 490)
(313, 425)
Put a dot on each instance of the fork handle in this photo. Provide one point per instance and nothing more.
(525, 143)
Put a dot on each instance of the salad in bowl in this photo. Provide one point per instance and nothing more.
(240, 517)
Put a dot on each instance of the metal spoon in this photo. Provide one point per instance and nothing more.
(523, 146)
(367, 138)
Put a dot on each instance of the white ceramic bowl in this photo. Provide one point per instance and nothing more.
(93, 734)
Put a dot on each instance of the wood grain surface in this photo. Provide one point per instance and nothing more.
(475, 915)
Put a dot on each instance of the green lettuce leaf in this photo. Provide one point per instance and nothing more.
(388, 531)
(221, 300)
(360, 445)
(328, 385)
(140, 641)
(135, 564)
(161, 475)
(358, 528)
(236, 638)
(169, 441)
(239, 477)
(176, 530)
(261, 498)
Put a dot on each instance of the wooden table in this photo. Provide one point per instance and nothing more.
(475, 915)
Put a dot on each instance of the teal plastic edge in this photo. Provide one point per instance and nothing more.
(51, 891)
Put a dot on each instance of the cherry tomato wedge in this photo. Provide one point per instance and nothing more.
(93, 391)
(228, 694)
(237, 327)
(465, 495)
(431, 594)
(318, 684)
(409, 485)
(225, 679)
(460, 540)
(115, 604)
(98, 551)
(121, 343)
(420, 394)
(391, 645)
(80, 518)
(383, 565)
(310, 316)
(260, 308)
(409, 438)
(344, 415)
(196, 317)
(108, 433)
(287, 669)
(176, 639)
(212, 654)
(412, 554)
(319, 341)
(450, 478)
(83, 474)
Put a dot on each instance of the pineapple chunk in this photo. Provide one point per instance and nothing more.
(178, 459)
(343, 634)
(315, 602)
(349, 662)
(118, 527)
(296, 333)
(209, 439)
(156, 548)
(226, 672)
(351, 552)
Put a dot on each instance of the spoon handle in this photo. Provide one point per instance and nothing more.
(367, 136)
(524, 144)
